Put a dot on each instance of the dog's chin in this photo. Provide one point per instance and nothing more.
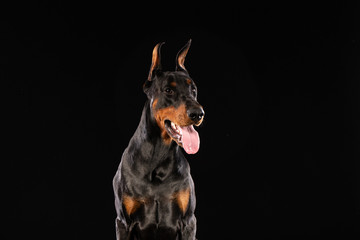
(185, 136)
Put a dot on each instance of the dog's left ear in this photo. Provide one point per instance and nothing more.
(180, 57)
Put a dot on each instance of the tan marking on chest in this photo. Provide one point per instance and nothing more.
(131, 204)
(182, 199)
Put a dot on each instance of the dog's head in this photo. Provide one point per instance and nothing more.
(173, 98)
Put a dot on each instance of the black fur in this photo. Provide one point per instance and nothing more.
(152, 171)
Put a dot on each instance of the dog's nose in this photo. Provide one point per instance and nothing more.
(196, 113)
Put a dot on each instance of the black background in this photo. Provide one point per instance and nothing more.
(279, 84)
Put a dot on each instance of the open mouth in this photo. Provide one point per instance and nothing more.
(185, 136)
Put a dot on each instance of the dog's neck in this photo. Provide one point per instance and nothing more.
(148, 140)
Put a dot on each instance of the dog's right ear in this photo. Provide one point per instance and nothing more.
(155, 66)
(156, 61)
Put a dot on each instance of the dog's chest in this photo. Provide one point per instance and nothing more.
(158, 205)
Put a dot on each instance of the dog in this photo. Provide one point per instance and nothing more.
(154, 191)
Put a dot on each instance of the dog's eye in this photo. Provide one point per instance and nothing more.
(169, 91)
(193, 91)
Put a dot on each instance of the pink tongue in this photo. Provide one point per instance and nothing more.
(190, 139)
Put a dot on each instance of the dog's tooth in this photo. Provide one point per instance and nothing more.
(173, 125)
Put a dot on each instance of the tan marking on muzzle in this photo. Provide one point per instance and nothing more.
(176, 115)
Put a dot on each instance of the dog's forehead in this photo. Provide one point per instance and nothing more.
(175, 79)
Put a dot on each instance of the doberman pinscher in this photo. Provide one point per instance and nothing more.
(154, 191)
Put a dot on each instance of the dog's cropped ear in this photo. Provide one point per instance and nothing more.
(155, 63)
(180, 57)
